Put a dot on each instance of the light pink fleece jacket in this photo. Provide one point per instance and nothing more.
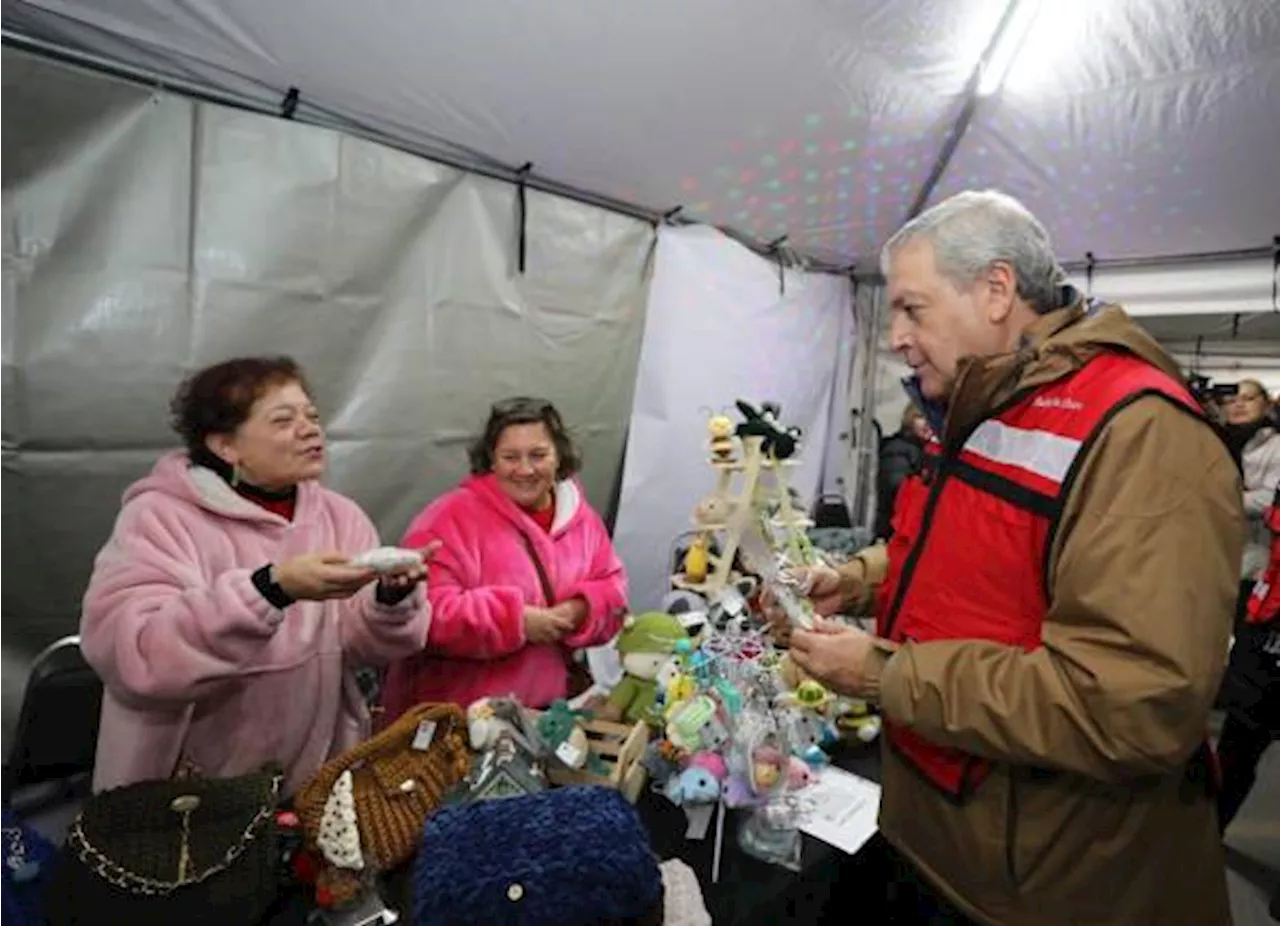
(198, 666)
(481, 580)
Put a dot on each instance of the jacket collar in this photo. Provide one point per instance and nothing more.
(1054, 346)
(568, 501)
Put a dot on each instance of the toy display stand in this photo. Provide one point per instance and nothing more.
(748, 487)
(620, 747)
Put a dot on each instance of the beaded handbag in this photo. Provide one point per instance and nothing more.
(193, 851)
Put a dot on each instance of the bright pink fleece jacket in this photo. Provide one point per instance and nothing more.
(198, 666)
(481, 580)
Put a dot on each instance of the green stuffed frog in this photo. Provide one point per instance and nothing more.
(645, 644)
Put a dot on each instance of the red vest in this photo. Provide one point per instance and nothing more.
(969, 555)
(1264, 604)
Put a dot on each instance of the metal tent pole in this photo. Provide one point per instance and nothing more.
(960, 127)
(311, 113)
(1137, 263)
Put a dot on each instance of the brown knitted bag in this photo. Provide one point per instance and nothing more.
(395, 787)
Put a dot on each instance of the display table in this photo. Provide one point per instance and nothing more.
(752, 891)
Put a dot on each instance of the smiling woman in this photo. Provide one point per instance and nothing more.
(526, 574)
(224, 614)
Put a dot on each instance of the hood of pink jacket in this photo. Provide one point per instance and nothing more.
(175, 477)
(569, 506)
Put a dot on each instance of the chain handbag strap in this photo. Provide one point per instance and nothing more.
(121, 877)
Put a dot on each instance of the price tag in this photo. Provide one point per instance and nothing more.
(426, 733)
(570, 755)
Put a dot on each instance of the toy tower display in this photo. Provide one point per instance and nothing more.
(752, 494)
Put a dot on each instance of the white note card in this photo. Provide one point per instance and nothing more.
(844, 809)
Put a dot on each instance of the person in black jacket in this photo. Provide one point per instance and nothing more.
(900, 456)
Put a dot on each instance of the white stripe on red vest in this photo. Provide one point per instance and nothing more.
(1040, 453)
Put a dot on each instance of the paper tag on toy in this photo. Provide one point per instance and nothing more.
(570, 754)
(426, 733)
(699, 817)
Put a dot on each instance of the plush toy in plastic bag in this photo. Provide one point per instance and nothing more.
(760, 772)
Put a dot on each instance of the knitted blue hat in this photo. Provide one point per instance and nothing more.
(564, 857)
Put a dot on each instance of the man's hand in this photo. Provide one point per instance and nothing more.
(829, 589)
(835, 655)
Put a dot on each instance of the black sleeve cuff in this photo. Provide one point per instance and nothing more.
(388, 596)
(275, 595)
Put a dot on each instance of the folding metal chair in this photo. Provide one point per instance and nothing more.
(57, 732)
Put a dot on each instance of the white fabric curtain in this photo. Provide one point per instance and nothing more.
(720, 327)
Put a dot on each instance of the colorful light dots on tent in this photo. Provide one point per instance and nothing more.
(812, 148)
(812, 120)
(689, 184)
(788, 147)
(769, 160)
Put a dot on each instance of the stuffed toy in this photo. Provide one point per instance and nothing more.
(690, 609)
(697, 560)
(560, 729)
(646, 644)
(720, 429)
(491, 719)
(855, 715)
(699, 782)
(778, 442)
(714, 511)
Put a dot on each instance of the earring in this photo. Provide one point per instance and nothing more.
(235, 475)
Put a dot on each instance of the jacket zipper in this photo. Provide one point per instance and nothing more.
(917, 549)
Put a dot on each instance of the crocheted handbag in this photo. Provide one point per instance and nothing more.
(193, 851)
(28, 857)
(363, 811)
(576, 856)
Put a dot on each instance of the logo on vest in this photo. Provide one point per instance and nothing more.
(1048, 401)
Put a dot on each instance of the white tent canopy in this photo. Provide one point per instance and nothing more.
(1143, 132)
(1134, 128)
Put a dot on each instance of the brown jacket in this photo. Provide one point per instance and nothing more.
(1089, 816)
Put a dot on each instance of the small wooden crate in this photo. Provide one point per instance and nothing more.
(621, 748)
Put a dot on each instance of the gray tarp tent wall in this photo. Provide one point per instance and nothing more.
(1138, 130)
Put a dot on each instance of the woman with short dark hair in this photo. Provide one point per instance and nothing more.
(224, 614)
(526, 574)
